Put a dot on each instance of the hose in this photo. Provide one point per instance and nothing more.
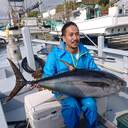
(38, 61)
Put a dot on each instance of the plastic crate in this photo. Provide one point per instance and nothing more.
(122, 121)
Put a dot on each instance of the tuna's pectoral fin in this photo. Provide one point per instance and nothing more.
(70, 67)
(20, 81)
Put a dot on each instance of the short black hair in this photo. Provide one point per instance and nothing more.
(66, 25)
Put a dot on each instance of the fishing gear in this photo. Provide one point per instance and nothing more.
(39, 64)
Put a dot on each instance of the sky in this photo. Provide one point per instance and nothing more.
(3, 9)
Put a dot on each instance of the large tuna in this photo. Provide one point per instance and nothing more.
(78, 83)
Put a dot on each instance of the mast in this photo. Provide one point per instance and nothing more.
(15, 6)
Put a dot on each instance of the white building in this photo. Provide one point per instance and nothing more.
(49, 13)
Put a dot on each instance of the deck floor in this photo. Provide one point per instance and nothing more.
(82, 124)
(24, 125)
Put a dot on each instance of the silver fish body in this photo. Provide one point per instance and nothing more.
(77, 83)
(82, 83)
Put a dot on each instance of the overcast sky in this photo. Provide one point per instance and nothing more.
(3, 9)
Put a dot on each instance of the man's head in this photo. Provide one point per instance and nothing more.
(70, 35)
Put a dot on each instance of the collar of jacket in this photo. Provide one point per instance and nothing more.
(83, 50)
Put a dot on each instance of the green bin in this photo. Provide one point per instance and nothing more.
(122, 121)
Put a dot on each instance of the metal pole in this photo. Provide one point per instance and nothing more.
(28, 47)
(100, 46)
(65, 10)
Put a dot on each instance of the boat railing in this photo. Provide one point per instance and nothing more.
(115, 59)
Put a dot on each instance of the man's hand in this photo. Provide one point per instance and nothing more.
(37, 74)
(38, 87)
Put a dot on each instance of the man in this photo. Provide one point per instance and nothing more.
(72, 52)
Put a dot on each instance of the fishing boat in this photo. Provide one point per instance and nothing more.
(108, 57)
(30, 107)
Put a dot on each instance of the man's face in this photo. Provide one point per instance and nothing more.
(71, 37)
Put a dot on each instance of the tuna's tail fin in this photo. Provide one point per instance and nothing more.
(20, 81)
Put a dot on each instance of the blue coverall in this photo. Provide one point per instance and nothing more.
(72, 107)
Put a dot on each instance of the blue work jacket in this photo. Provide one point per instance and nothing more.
(54, 66)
